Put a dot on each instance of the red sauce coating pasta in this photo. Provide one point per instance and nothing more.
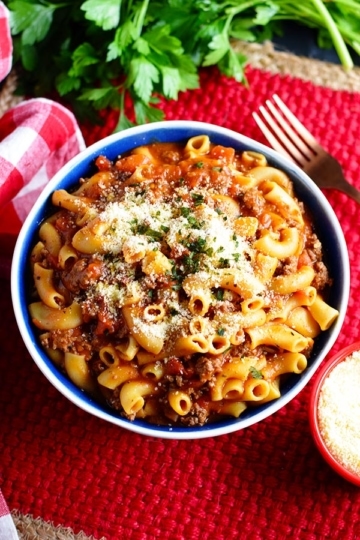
(180, 282)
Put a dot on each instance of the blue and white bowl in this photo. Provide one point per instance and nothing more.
(327, 227)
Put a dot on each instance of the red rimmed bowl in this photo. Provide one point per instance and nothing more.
(333, 438)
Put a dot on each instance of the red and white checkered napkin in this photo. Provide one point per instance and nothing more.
(7, 527)
(37, 137)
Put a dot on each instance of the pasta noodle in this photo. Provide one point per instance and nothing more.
(180, 283)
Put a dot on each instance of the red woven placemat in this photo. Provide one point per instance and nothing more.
(265, 482)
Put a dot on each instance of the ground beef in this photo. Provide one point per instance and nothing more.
(70, 340)
(254, 200)
(313, 245)
(97, 366)
(112, 398)
(198, 416)
(208, 366)
(82, 274)
(290, 265)
(170, 156)
(321, 278)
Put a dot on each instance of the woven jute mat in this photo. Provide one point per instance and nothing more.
(318, 72)
(30, 528)
(8, 98)
(264, 58)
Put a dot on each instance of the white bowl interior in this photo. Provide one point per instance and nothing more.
(327, 228)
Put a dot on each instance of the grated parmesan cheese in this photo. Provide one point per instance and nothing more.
(338, 412)
(200, 238)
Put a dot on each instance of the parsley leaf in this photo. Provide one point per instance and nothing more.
(82, 57)
(102, 97)
(33, 20)
(219, 46)
(146, 113)
(105, 14)
(142, 76)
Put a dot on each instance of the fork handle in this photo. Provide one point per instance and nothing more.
(328, 174)
(348, 189)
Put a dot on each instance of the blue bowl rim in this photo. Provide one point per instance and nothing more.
(178, 130)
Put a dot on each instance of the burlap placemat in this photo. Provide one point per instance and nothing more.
(8, 98)
(265, 59)
(318, 72)
(30, 528)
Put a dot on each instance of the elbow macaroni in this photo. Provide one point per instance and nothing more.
(164, 288)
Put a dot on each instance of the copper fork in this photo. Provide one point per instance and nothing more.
(289, 137)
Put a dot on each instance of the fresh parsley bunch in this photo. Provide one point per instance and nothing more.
(104, 52)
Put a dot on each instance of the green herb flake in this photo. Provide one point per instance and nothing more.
(147, 231)
(197, 198)
(219, 294)
(195, 224)
(185, 211)
(255, 373)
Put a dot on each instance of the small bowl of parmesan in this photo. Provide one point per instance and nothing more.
(334, 412)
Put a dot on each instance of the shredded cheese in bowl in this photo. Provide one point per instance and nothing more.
(334, 413)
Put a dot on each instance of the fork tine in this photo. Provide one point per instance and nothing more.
(300, 128)
(297, 143)
(278, 129)
(270, 137)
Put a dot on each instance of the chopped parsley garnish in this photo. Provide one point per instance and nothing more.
(199, 164)
(224, 263)
(219, 294)
(197, 198)
(191, 263)
(185, 211)
(256, 374)
(195, 224)
(175, 273)
(220, 331)
(176, 287)
(147, 231)
(198, 246)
